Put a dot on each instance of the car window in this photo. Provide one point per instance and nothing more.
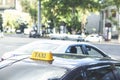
(75, 74)
(78, 77)
(101, 73)
(75, 49)
(92, 51)
(117, 71)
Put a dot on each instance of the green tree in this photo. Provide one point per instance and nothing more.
(69, 10)
(1, 22)
(30, 6)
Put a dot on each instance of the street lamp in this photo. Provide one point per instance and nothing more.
(39, 17)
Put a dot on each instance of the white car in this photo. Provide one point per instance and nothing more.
(57, 46)
(58, 36)
(94, 38)
(75, 37)
(66, 37)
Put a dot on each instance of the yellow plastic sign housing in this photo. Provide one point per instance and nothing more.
(44, 56)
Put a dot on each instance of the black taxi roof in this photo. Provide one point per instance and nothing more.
(72, 61)
(42, 70)
(66, 61)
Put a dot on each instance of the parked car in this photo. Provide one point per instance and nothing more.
(94, 38)
(34, 34)
(75, 38)
(58, 36)
(58, 46)
(66, 37)
(44, 66)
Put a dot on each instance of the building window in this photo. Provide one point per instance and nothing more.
(106, 13)
(10, 2)
(1, 2)
(6, 4)
(113, 13)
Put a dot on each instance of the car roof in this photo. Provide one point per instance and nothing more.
(69, 61)
(24, 64)
(79, 60)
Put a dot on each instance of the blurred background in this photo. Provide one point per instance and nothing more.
(78, 17)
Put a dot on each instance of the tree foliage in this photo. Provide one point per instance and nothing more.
(13, 18)
(30, 6)
(70, 11)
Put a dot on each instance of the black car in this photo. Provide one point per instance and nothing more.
(47, 66)
(34, 34)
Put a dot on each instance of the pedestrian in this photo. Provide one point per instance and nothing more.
(1, 27)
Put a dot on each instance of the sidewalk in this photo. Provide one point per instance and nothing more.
(112, 41)
(115, 41)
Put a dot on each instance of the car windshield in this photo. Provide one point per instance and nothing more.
(37, 46)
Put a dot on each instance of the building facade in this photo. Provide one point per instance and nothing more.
(7, 4)
(106, 22)
(92, 25)
(109, 21)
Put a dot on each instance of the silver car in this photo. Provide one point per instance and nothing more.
(57, 46)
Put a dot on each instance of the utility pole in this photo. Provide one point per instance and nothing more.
(39, 18)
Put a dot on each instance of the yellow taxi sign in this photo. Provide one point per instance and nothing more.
(39, 55)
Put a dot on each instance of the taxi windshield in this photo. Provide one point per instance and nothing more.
(37, 46)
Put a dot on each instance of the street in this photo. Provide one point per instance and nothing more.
(110, 48)
(11, 43)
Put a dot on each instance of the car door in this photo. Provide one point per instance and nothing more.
(117, 71)
(103, 72)
(94, 72)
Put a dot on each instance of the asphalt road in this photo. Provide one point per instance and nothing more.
(10, 43)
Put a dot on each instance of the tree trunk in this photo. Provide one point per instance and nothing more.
(118, 25)
(83, 24)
